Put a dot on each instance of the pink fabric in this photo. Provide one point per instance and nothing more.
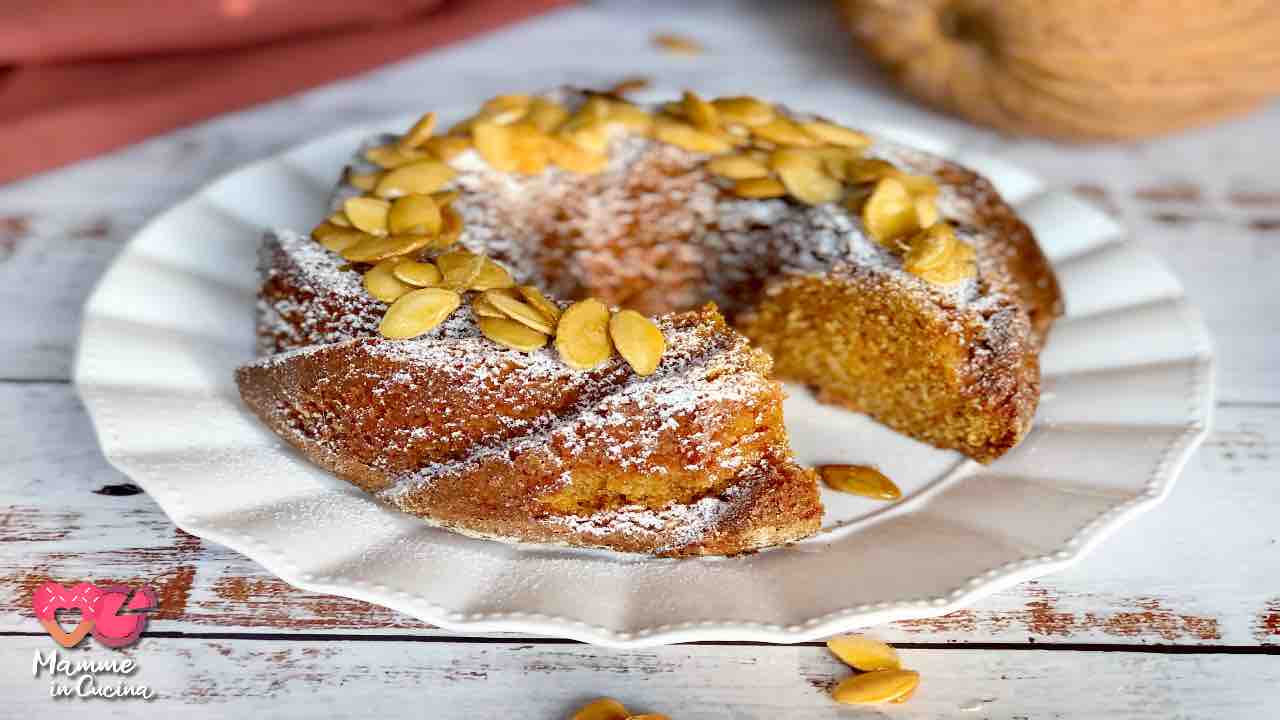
(87, 77)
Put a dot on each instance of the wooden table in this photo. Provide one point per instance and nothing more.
(1178, 615)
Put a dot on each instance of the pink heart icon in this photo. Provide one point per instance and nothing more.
(51, 597)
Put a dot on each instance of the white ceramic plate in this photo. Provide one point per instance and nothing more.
(1127, 396)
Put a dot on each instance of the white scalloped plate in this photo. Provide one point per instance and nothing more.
(1127, 396)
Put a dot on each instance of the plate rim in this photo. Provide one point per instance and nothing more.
(1168, 465)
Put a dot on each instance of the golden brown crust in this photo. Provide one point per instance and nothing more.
(595, 458)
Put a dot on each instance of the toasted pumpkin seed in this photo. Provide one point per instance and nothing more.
(889, 213)
(863, 653)
(638, 339)
(511, 334)
(745, 110)
(362, 181)
(418, 274)
(447, 147)
(783, 131)
(602, 709)
(546, 115)
(701, 113)
(520, 311)
(874, 688)
(836, 134)
(422, 177)
(367, 214)
(414, 215)
(755, 188)
(861, 480)
(737, 167)
(419, 133)
(534, 297)
(418, 312)
(381, 282)
(373, 249)
(336, 239)
(460, 268)
(582, 336)
(492, 276)
(683, 135)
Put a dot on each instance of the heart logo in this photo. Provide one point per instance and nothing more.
(51, 597)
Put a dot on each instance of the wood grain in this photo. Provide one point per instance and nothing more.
(218, 678)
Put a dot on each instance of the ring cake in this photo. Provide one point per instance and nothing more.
(450, 339)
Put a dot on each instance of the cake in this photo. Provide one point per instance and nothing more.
(890, 281)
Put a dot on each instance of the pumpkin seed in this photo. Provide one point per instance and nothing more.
(520, 311)
(422, 177)
(418, 274)
(534, 297)
(582, 336)
(756, 188)
(418, 312)
(419, 133)
(874, 688)
(638, 340)
(737, 167)
(602, 709)
(382, 283)
(414, 215)
(367, 214)
(512, 334)
(373, 249)
(861, 480)
(889, 213)
(863, 653)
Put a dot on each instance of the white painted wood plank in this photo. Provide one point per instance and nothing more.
(59, 230)
(1163, 579)
(361, 679)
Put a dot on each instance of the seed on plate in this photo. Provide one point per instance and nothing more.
(337, 239)
(861, 480)
(451, 230)
(419, 133)
(418, 312)
(582, 336)
(381, 282)
(418, 274)
(367, 214)
(422, 177)
(511, 334)
(340, 219)
(877, 687)
(863, 653)
(632, 117)
(602, 709)
(520, 311)
(802, 174)
(638, 340)
(534, 297)
(414, 215)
